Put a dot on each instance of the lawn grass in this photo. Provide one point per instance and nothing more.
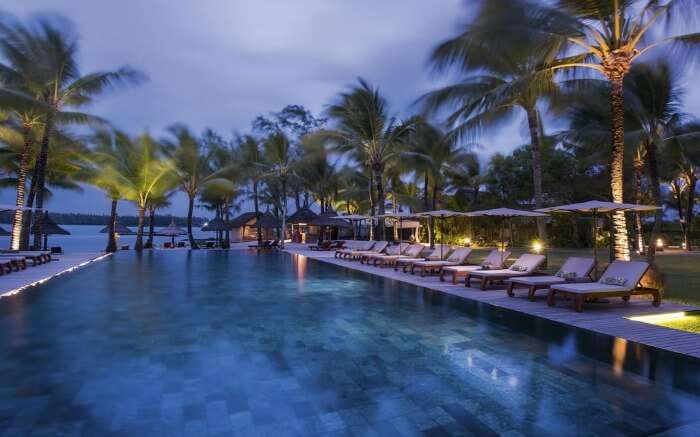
(681, 270)
(690, 323)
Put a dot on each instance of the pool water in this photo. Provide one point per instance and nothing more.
(237, 343)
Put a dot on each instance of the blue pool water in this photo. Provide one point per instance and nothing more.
(216, 343)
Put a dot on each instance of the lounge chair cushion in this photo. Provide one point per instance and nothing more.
(588, 287)
(539, 280)
(458, 269)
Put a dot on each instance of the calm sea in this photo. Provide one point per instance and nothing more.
(85, 238)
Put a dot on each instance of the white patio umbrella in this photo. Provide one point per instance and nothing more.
(352, 218)
(441, 214)
(172, 231)
(504, 213)
(595, 207)
(400, 216)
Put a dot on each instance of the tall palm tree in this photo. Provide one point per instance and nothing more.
(251, 157)
(193, 165)
(58, 84)
(138, 169)
(279, 164)
(608, 37)
(501, 83)
(365, 129)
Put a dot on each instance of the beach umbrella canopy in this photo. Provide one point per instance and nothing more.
(441, 214)
(596, 207)
(4, 233)
(302, 215)
(172, 231)
(504, 213)
(49, 227)
(119, 229)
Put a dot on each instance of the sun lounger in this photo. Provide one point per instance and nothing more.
(574, 270)
(15, 263)
(525, 265)
(324, 245)
(457, 257)
(388, 251)
(344, 253)
(435, 255)
(410, 251)
(494, 260)
(379, 247)
(36, 256)
(620, 279)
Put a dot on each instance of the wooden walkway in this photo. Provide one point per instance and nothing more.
(607, 318)
(17, 282)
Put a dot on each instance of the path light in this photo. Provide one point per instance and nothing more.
(467, 241)
(537, 246)
(659, 318)
(659, 243)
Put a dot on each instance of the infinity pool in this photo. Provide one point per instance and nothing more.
(216, 343)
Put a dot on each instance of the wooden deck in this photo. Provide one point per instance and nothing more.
(17, 282)
(606, 317)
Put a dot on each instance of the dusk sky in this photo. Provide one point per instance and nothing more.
(219, 64)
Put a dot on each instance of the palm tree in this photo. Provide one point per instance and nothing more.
(607, 37)
(279, 164)
(193, 165)
(158, 200)
(501, 83)
(58, 84)
(139, 171)
(251, 157)
(364, 128)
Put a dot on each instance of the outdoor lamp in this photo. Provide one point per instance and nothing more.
(537, 246)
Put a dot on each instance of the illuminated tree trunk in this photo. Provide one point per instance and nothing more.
(638, 168)
(372, 208)
(41, 178)
(536, 151)
(617, 130)
(18, 219)
(379, 183)
(112, 238)
(284, 211)
(691, 180)
(151, 227)
(258, 225)
(139, 230)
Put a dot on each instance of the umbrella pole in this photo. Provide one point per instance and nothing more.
(595, 245)
(442, 235)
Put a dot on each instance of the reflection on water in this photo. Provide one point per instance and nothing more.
(202, 342)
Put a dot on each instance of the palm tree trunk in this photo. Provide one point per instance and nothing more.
(190, 210)
(284, 212)
(18, 219)
(151, 227)
(655, 189)
(27, 220)
(638, 167)
(112, 238)
(379, 182)
(372, 209)
(692, 182)
(41, 177)
(139, 229)
(256, 205)
(617, 130)
(536, 145)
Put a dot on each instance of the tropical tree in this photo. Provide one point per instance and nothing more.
(192, 161)
(501, 83)
(251, 158)
(607, 37)
(137, 169)
(279, 164)
(58, 84)
(364, 128)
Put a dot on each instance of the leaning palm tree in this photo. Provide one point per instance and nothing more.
(501, 83)
(58, 84)
(139, 170)
(607, 37)
(193, 165)
(365, 129)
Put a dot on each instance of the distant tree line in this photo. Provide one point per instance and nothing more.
(103, 219)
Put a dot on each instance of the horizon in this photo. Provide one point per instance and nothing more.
(251, 59)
